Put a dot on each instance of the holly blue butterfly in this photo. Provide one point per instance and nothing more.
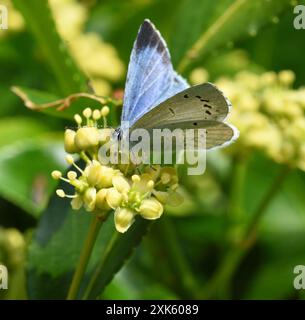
(157, 97)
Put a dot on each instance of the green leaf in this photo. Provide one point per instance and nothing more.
(56, 246)
(64, 107)
(203, 26)
(133, 283)
(273, 277)
(40, 21)
(281, 234)
(25, 168)
(13, 129)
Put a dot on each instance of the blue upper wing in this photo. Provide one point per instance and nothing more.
(150, 78)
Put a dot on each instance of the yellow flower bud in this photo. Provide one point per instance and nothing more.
(113, 198)
(96, 114)
(151, 209)
(120, 183)
(136, 178)
(94, 173)
(286, 77)
(100, 201)
(69, 143)
(87, 113)
(78, 119)
(86, 138)
(76, 203)
(199, 75)
(105, 111)
(268, 78)
(142, 184)
(56, 174)
(60, 193)
(90, 198)
(123, 219)
(106, 176)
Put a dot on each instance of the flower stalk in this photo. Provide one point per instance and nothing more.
(85, 255)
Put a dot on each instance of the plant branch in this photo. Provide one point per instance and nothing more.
(84, 257)
(100, 266)
(198, 46)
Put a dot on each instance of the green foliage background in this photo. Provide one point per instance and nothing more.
(194, 251)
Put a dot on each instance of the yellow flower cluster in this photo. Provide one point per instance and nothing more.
(123, 188)
(269, 114)
(104, 64)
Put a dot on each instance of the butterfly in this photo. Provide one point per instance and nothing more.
(156, 97)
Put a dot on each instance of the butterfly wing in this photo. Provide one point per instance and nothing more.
(202, 106)
(150, 78)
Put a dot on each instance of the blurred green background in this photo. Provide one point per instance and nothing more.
(241, 229)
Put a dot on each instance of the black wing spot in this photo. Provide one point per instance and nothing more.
(208, 112)
(208, 106)
(186, 96)
(195, 123)
(204, 100)
(172, 111)
(198, 97)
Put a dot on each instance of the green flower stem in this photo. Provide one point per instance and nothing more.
(199, 46)
(115, 237)
(85, 256)
(235, 209)
(177, 261)
(219, 284)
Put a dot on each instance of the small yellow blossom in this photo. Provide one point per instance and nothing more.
(86, 138)
(151, 209)
(69, 141)
(123, 219)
